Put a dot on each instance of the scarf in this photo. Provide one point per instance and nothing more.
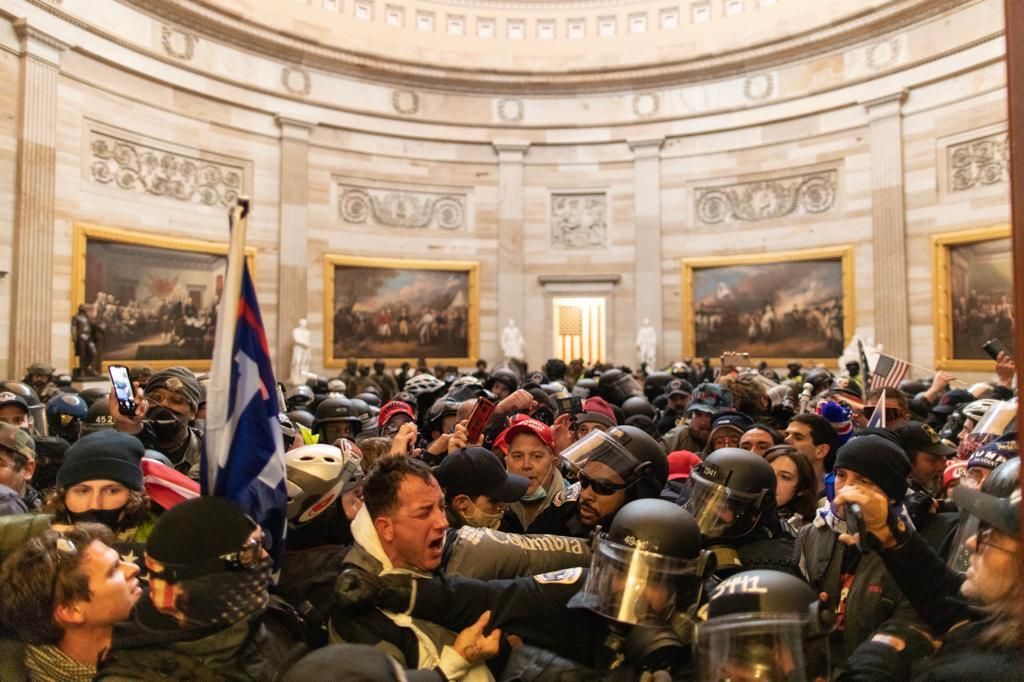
(827, 516)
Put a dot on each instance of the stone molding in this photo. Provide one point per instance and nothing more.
(389, 207)
(177, 43)
(130, 165)
(805, 194)
(579, 220)
(978, 162)
(209, 21)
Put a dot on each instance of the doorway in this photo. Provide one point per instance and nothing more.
(579, 328)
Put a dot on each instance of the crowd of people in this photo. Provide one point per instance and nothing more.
(556, 523)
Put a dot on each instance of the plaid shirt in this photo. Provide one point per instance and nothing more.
(47, 663)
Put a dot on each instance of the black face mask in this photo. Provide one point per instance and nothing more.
(165, 425)
(111, 518)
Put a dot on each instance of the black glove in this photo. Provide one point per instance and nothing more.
(358, 590)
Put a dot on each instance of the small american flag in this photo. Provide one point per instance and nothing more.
(888, 372)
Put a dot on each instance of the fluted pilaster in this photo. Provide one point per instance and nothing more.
(647, 226)
(511, 277)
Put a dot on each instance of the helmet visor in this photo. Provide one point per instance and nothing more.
(959, 555)
(633, 586)
(599, 447)
(759, 647)
(721, 511)
(1001, 418)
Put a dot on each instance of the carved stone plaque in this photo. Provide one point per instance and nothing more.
(579, 221)
(767, 199)
(982, 161)
(401, 208)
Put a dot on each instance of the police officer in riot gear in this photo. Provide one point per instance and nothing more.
(631, 611)
(764, 625)
(732, 497)
(337, 418)
(617, 386)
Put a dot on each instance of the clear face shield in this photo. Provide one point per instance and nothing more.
(598, 447)
(624, 387)
(630, 585)
(959, 556)
(760, 647)
(722, 512)
(1001, 418)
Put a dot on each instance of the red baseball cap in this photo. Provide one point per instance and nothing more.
(527, 425)
(680, 463)
(392, 408)
(598, 410)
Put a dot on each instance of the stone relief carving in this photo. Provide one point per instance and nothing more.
(766, 199)
(646, 104)
(885, 53)
(177, 43)
(141, 168)
(759, 86)
(405, 102)
(296, 81)
(401, 208)
(982, 161)
(579, 221)
(511, 110)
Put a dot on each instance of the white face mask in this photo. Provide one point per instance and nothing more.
(478, 518)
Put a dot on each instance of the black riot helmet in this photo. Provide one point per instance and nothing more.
(616, 386)
(337, 410)
(730, 492)
(98, 418)
(638, 405)
(96, 394)
(820, 378)
(503, 376)
(648, 565)
(628, 451)
(585, 387)
(303, 417)
(369, 397)
(764, 625)
(65, 415)
(299, 396)
(655, 383)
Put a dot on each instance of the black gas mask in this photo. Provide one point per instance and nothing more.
(164, 425)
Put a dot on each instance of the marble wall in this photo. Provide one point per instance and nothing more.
(590, 192)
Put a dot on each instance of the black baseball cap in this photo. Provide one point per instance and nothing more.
(952, 399)
(679, 387)
(920, 436)
(8, 398)
(477, 471)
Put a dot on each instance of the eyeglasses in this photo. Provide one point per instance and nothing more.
(891, 413)
(247, 556)
(982, 539)
(601, 487)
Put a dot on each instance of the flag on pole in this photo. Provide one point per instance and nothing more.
(888, 372)
(865, 369)
(878, 416)
(243, 452)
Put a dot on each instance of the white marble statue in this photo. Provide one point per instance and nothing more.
(512, 341)
(647, 344)
(300, 353)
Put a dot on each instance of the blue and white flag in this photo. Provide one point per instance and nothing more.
(243, 452)
(877, 419)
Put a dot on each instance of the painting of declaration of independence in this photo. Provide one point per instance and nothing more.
(151, 300)
(400, 310)
(795, 305)
(974, 296)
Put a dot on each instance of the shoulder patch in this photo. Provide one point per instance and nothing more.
(565, 576)
(569, 494)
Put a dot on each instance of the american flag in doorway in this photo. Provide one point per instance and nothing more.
(888, 372)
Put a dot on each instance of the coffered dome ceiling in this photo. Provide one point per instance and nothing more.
(538, 45)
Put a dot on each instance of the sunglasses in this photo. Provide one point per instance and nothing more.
(983, 539)
(891, 413)
(603, 488)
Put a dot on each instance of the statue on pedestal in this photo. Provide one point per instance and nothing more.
(85, 345)
(512, 341)
(300, 353)
(647, 344)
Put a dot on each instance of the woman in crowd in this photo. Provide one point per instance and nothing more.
(794, 487)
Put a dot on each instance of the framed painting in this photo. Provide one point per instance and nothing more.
(399, 310)
(778, 307)
(152, 300)
(972, 296)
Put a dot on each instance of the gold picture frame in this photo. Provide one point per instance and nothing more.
(953, 348)
(398, 343)
(763, 333)
(150, 326)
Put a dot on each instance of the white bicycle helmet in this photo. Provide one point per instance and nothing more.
(317, 476)
(423, 384)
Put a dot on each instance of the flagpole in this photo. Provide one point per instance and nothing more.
(219, 386)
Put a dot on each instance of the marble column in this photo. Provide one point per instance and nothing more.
(647, 235)
(511, 278)
(32, 312)
(892, 319)
(292, 297)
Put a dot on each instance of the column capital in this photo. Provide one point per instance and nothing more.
(646, 147)
(510, 151)
(294, 128)
(886, 105)
(38, 44)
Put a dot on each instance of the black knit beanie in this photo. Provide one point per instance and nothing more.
(178, 380)
(197, 530)
(879, 460)
(103, 456)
